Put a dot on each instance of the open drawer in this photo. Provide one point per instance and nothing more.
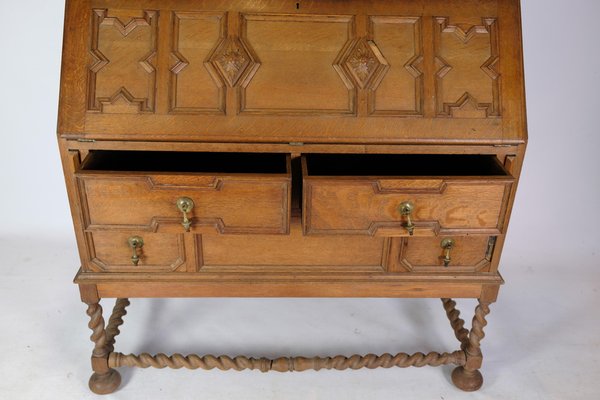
(404, 194)
(178, 192)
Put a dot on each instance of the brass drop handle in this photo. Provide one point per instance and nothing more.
(185, 205)
(135, 242)
(406, 208)
(447, 245)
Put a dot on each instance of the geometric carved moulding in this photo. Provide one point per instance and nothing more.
(301, 57)
(471, 254)
(400, 91)
(234, 59)
(196, 86)
(467, 79)
(363, 63)
(122, 71)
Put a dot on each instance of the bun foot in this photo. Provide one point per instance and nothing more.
(469, 381)
(105, 383)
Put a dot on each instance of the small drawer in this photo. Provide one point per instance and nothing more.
(119, 251)
(442, 255)
(404, 195)
(180, 192)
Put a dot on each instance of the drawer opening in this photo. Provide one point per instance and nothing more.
(403, 165)
(185, 162)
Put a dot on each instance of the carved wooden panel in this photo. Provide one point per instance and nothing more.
(122, 73)
(110, 251)
(363, 63)
(467, 78)
(196, 86)
(267, 72)
(299, 58)
(400, 90)
(234, 59)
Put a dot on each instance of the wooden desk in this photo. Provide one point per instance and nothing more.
(291, 149)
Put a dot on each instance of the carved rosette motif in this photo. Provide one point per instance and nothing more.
(490, 107)
(363, 63)
(100, 61)
(232, 59)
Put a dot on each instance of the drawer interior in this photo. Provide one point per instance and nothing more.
(185, 162)
(403, 165)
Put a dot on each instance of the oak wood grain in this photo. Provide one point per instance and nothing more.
(274, 63)
(157, 85)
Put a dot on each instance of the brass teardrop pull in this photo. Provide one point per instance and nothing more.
(406, 208)
(185, 205)
(135, 242)
(447, 245)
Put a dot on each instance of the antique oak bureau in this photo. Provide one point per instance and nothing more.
(279, 148)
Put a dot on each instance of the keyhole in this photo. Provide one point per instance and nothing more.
(297, 6)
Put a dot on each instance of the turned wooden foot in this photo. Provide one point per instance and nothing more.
(104, 380)
(467, 377)
(466, 380)
(105, 383)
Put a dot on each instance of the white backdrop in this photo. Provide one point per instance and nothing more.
(551, 260)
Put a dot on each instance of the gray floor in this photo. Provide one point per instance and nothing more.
(540, 343)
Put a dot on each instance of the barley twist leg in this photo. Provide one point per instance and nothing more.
(104, 380)
(468, 377)
(457, 323)
(115, 321)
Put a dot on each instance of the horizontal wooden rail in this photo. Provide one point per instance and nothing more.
(284, 364)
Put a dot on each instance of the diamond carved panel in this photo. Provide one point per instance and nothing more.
(363, 63)
(234, 59)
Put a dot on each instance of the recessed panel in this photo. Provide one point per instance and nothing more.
(296, 56)
(293, 250)
(122, 70)
(400, 90)
(467, 77)
(194, 86)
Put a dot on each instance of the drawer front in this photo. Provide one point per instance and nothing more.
(149, 202)
(191, 192)
(135, 251)
(373, 206)
(294, 253)
(425, 254)
(404, 194)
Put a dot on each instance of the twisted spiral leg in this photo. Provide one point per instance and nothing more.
(283, 364)
(457, 323)
(104, 380)
(477, 334)
(115, 321)
(96, 324)
(468, 377)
